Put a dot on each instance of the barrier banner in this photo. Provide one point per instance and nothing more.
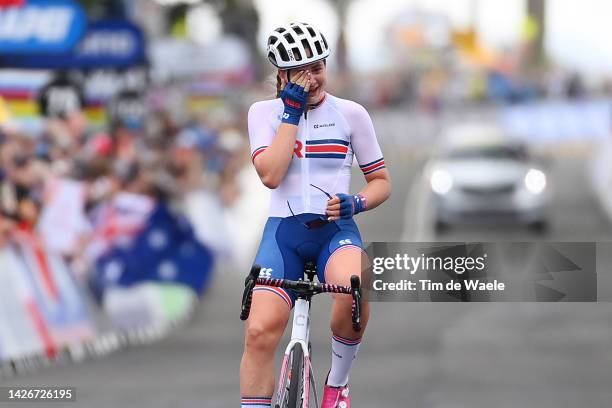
(21, 333)
(58, 309)
(44, 315)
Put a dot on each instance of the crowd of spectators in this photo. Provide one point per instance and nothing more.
(141, 151)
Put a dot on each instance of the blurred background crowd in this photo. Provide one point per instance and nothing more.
(149, 97)
(125, 171)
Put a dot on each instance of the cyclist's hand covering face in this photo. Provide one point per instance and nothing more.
(301, 78)
(294, 96)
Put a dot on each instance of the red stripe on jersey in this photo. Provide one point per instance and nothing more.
(326, 149)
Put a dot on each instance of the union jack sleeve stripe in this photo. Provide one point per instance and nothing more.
(278, 291)
(257, 151)
(373, 166)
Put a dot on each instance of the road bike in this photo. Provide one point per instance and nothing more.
(296, 380)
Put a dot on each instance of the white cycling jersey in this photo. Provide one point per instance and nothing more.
(328, 137)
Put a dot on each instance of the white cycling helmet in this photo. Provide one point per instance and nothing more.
(289, 46)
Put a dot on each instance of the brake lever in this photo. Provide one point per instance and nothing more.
(247, 295)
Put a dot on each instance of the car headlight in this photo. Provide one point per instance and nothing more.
(535, 181)
(441, 182)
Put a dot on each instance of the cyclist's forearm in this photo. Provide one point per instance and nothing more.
(378, 189)
(272, 164)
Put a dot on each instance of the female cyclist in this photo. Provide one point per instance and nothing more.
(302, 146)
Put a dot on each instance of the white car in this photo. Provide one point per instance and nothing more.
(478, 174)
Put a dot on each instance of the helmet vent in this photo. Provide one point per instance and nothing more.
(283, 52)
(307, 48)
(297, 54)
(289, 38)
(272, 58)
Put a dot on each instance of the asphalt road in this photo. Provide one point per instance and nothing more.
(420, 355)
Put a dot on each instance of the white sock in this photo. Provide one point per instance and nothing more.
(344, 352)
(256, 402)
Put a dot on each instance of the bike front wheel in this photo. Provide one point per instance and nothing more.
(296, 383)
(294, 388)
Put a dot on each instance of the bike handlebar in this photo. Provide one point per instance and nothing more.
(302, 287)
(247, 296)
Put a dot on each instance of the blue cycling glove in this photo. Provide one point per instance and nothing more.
(351, 205)
(294, 98)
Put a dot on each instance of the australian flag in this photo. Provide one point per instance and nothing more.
(165, 250)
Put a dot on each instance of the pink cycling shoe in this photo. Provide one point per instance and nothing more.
(336, 397)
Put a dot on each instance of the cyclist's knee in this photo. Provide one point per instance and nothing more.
(262, 337)
(257, 338)
(265, 326)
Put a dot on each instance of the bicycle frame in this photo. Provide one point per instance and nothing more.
(300, 337)
(300, 331)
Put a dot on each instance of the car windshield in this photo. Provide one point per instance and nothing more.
(497, 152)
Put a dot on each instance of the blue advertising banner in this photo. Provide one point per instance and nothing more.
(41, 27)
(108, 43)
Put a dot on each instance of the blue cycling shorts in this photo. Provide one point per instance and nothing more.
(287, 245)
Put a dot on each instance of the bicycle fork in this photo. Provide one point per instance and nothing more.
(300, 337)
